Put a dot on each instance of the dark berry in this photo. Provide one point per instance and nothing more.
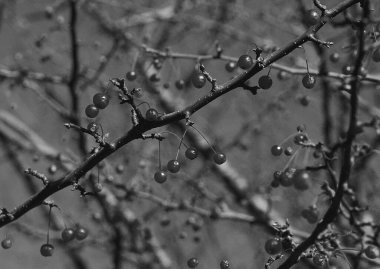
(81, 233)
(131, 75)
(273, 246)
(300, 139)
(173, 166)
(68, 234)
(137, 92)
(91, 111)
(376, 55)
(98, 187)
(192, 262)
(312, 16)
(47, 250)
(277, 175)
(230, 66)
(304, 100)
(219, 158)
(301, 180)
(151, 114)
(154, 78)
(372, 252)
(160, 176)
(311, 214)
(308, 81)
(275, 183)
(93, 127)
(288, 151)
(286, 178)
(191, 153)
(283, 75)
(166, 85)
(198, 80)
(157, 64)
(101, 100)
(245, 62)
(334, 57)
(6, 243)
(276, 150)
(224, 264)
(179, 84)
(347, 69)
(265, 82)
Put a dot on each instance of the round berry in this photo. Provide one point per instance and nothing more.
(273, 246)
(154, 78)
(131, 75)
(265, 82)
(224, 264)
(286, 178)
(81, 233)
(93, 127)
(301, 180)
(191, 153)
(308, 81)
(300, 139)
(6, 243)
(312, 16)
(245, 62)
(101, 100)
(98, 187)
(288, 151)
(119, 168)
(151, 114)
(52, 169)
(376, 55)
(160, 177)
(283, 75)
(91, 111)
(230, 66)
(311, 214)
(347, 69)
(157, 64)
(372, 252)
(319, 259)
(192, 262)
(219, 158)
(334, 57)
(137, 92)
(180, 84)
(47, 250)
(173, 166)
(276, 150)
(304, 100)
(277, 175)
(68, 234)
(198, 80)
(275, 183)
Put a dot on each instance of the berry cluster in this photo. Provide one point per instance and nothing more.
(100, 101)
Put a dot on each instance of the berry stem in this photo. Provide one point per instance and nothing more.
(307, 64)
(168, 132)
(135, 60)
(270, 68)
(159, 155)
(288, 138)
(180, 143)
(291, 159)
(143, 103)
(199, 132)
(174, 68)
(48, 231)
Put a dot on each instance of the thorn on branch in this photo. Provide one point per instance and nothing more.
(157, 136)
(100, 139)
(38, 175)
(81, 189)
(208, 77)
(327, 44)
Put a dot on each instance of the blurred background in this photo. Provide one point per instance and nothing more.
(139, 230)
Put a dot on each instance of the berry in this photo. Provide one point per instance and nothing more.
(265, 82)
(91, 111)
(192, 262)
(6, 243)
(334, 57)
(137, 92)
(219, 158)
(180, 84)
(224, 264)
(191, 153)
(376, 55)
(319, 259)
(288, 151)
(273, 246)
(301, 180)
(198, 80)
(52, 169)
(173, 166)
(283, 75)
(47, 250)
(230, 66)
(275, 183)
(347, 70)
(286, 178)
(277, 175)
(308, 81)
(245, 62)
(160, 176)
(311, 214)
(312, 16)
(101, 100)
(93, 127)
(81, 233)
(154, 78)
(276, 150)
(300, 139)
(372, 252)
(68, 234)
(119, 168)
(131, 75)
(157, 64)
(151, 114)
(98, 187)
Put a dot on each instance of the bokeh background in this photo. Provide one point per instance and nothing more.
(35, 39)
